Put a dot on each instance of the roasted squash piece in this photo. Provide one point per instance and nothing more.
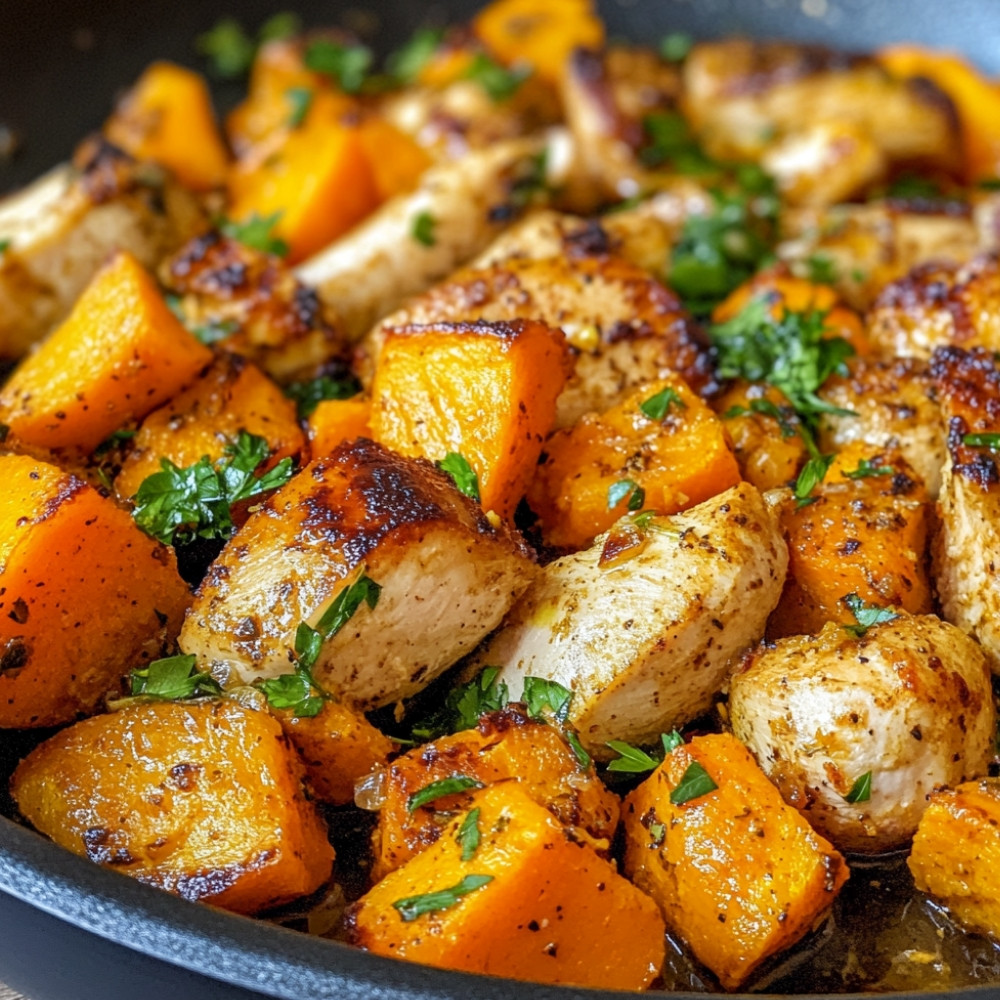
(486, 391)
(660, 448)
(338, 746)
(505, 744)
(233, 395)
(203, 799)
(956, 853)
(397, 161)
(84, 595)
(738, 874)
(447, 576)
(119, 355)
(335, 421)
(864, 531)
(167, 117)
(528, 901)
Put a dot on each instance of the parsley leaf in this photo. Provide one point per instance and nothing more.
(626, 488)
(227, 47)
(468, 835)
(439, 789)
(531, 184)
(581, 755)
(694, 783)
(404, 65)
(423, 229)
(861, 790)
(300, 99)
(4, 246)
(669, 140)
(631, 760)
(412, 907)
(284, 24)
(465, 704)
(991, 441)
(172, 679)
(111, 442)
(675, 46)
(767, 408)
(821, 269)
(256, 233)
(308, 395)
(542, 695)
(295, 690)
(657, 407)
(500, 83)
(866, 615)
(177, 504)
(812, 474)
(464, 476)
(364, 590)
(214, 330)
(345, 65)
(671, 741)
(866, 468)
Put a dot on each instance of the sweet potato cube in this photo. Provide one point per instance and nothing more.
(506, 744)
(660, 448)
(486, 391)
(739, 874)
(956, 853)
(397, 161)
(203, 799)
(335, 421)
(84, 595)
(167, 117)
(552, 910)
(119, 354)
(338, 747)
(233, 395)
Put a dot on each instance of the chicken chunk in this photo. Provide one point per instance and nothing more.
(856, 732)
(644, 640)
(966, 549)
(447, 577)
(61, 229)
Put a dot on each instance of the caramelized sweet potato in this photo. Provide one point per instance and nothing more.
(119, 354)
(544, 907)
(505, 744)
(486, 391)
(335, 421)
(233, 395)
(84, 595)
(396, 160)
(660, 448)
(338, 747)
(738, 874)
(203, 799)
(956, 853)
(167, 117)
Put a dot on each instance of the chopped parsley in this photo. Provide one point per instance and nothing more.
(626, 488)
(468, 835)
(465, 704)
(867, 469)
(463, 474)
(257, 233)
(214, 330)
(172, 679)
(766, 408)
(657, 407)
(991, 441)
(424, 225)
(676, 46)
(177, 504)
(308, 395)
(439, 789)
(632, 760)
(544, 697)
(499, 83)
(345, 65)
(412, 907)
(669, 140)
(861, 790)
(866, 615)
(821, 269)
(4, 246)
(908, 186)
(110, 443)
(284, 24)
(300, 100)
(531, 184)
(694, 783)
(812, 474)
(228, 48)
(405, 64)
(296, 690)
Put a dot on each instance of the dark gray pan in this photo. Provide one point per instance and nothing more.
(70, 930)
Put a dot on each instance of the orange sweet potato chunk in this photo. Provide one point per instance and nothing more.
(119, 354)
(552, 910)
(397, 161)
(84, 595)
(338, 746)
(738, 874)
(486, 391)
(675, 460)
(203, 799)
(506, 744)
(167, 117)
(233, 395)
(335, 421)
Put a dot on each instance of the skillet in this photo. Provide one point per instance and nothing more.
(68, 929)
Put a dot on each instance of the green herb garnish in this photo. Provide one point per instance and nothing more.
(543, 697)
(227, 47)
(308, 395)
(812, 474)
(404, 65)
(669, 140)
(464, 705)
(866, 469)
(500, 83)
(468, 835)
(296, 690)
(631, 760)
(256, 232)
(4, 246)
(861, 790)
(309, 641)
(416, 906)
(626, 488)
(991, 441)
(345, 65)
(300, 99)
(657, 407)
(866, 615)
(214, 330)
(463, 475)
(694, 783)
(113, 441)
(423, 229)
(675, 46)
(439, 789)
(284, 24)
(821, 269)
(172, 679)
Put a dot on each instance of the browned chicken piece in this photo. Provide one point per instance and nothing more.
(741, 95)
(249, 303)
(447, 577)
(606, 97)
(61, 229)
(871, 244)
(966, 550)
(892, 406)
(625, 327)
(937, 304)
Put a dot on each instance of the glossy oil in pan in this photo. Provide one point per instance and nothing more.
(70, 930)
